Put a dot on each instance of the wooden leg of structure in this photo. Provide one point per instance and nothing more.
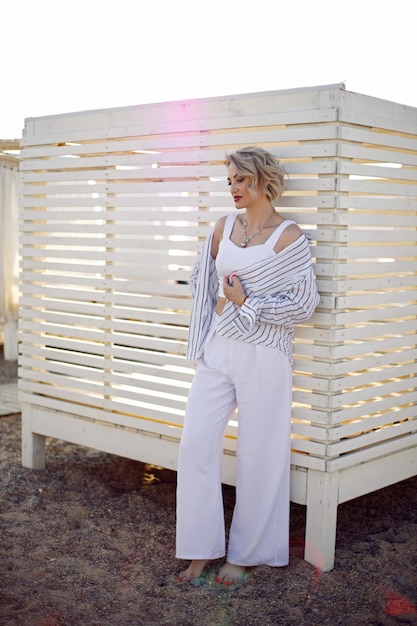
(322, 501)
(10, 351)
(33, 445)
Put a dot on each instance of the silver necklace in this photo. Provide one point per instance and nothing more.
(246, 239)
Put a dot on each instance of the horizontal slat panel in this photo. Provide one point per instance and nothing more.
(367, 454)
(66, 337)
(386, 173)
(66, 362)
(356, 333)
(343, 413)
(375, 283)
(372, 396)
(365, 315)
(86, 295)
(383, 236)
(377, 359)
(377, 203)
(71, 173)
(292, 169)
(96, 156)
(352, 430)
(208, 152)
(112, 226)
(378, 154)
(376, 299)
(42, 358)
(360, 253)
(381, 117)
(357, 380)
(404, 146)
(155, 426)
(165, 120)
(383, 187)
(154, 316)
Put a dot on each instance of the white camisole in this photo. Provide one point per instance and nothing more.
(231, 258)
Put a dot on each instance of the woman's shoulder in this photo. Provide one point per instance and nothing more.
(219, 225)
(218, 231)
(221, 222)
(224, 222)
(290, 233)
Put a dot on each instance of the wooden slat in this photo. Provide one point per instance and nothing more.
(386, 173)
(365, 455)
(126, 153)
(151, 426)
(383, 187)
(401, 143)
(365, 118)
(379, 154)
(164, 121)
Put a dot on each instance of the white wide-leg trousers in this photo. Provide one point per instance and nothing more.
(258, 380)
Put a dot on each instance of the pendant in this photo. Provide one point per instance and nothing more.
(245, 242)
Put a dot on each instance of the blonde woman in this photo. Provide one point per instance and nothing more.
(252, 283)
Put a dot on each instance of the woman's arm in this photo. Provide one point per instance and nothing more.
(214, 248)
(217, 236)
(292, 301)
(293, 306)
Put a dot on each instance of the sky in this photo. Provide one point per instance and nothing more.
(61, 56)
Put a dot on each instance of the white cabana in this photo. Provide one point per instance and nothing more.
(115, 206)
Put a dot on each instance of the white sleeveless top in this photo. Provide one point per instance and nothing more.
(231, 258)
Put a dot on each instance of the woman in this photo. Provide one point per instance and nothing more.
(252, 283)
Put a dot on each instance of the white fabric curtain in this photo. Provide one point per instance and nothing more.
(9, 257)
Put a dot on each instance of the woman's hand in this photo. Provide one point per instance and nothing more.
(233, 290)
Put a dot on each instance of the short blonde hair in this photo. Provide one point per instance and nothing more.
(262, 167)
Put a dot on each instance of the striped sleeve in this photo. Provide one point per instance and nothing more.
(204, 286)
(287, 295)
(295, 306)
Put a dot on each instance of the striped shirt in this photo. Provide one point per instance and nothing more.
(281, 292)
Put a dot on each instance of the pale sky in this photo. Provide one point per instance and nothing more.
(61, 56)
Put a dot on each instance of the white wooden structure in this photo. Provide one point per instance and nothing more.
(9, 261)
(116, 204)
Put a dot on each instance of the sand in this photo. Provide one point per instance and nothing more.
(89, 541)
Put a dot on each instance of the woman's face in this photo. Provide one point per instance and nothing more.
(244, 196)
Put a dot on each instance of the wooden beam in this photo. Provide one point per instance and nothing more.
(9, 144)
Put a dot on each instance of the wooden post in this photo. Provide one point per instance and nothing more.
(33, 445)
(322, 501)
(10, 341)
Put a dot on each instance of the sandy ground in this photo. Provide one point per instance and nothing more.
(89, 541)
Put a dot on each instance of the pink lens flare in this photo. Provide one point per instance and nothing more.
(396, 604)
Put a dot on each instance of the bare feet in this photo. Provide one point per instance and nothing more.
(194, 570)
(231, 574)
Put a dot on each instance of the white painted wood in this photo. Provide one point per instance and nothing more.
(322, 501)
(375, 474)
(131, 444)
(10, 348)
(116, 205)
(33, 442)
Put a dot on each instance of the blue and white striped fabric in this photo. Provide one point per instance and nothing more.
(281, 293)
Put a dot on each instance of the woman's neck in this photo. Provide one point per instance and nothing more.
(256, 216)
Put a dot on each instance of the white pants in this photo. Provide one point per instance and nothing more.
(258, 380)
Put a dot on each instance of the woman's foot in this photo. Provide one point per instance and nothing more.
(194, 570)
(231, 574)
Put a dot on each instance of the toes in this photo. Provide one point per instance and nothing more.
(232, 579)
(227, 581)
